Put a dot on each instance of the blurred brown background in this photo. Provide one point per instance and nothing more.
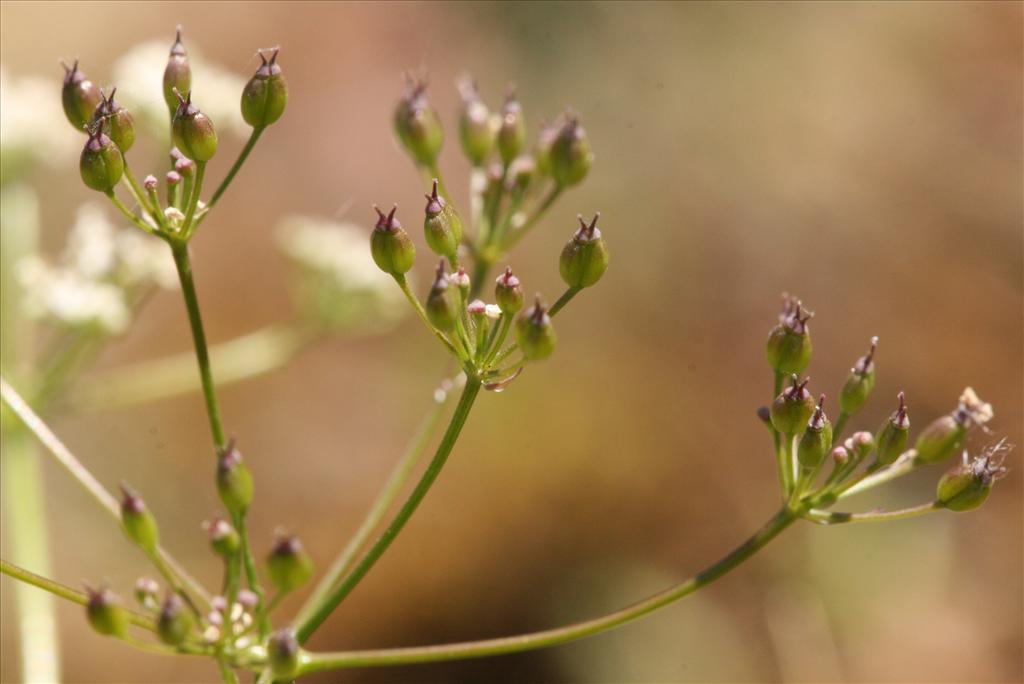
(866, 156)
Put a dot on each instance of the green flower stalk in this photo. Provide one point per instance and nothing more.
(79, 96)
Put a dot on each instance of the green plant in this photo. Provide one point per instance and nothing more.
(236, 628)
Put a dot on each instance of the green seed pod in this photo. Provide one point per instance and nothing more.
(146, 589)
(534, 332)
(120, 125)
(175, 622)
(512, 131)
(193, 131)
(859, 382)
(570, 155)
(79, 96)
(966, 486)
(442, 302)
(265, 95)
(941, 439)
(417, 125)
(288, 564)
(283, 654)
(816, 441)
(891, 438)
(105, 614)
(477, 131)
(139, 524)
(177, 73)
(542, 150)
(392, 250)
(789, 343)
(584, 258)
(792, 408)
(101, 164)
(442, 226)
(234, 480)
(224, 540)
(508, 293)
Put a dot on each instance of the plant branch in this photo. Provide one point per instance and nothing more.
(242, 156)
(323, 609)
(838, 517)
(319, 662)
(404, 285)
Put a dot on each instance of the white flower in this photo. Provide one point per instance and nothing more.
(493, 311)
(90, 246)
(71, 298)
(138, 76)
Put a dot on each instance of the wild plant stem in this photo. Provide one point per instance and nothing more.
(193, 202)
(82, 475)
(188, 291)
(398, 477)
(139, 223)
(326, 606)
(242, 156)
(537, 215)
(840, 425)
(563, 300)
(415, 303)
(838, 517)
(319, 662)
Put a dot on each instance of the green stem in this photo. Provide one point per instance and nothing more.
(305, 629)
(249, 563)
(167, 572)
(398, 477)
(188, 291)
(521, 232)
(139, 194)
(563, 300)
(315, 662)
(27, 539)
(553, 311)
(242, 156)
(840, 424)
(838, 517)
(82, 475)
(193, 202)
(415, 303)
(139, 223)
(65, 592)
(901, 466)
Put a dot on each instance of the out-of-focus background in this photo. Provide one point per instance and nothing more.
(865, 156)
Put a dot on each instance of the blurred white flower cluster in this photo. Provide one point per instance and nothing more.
(138, 76)
(33, 129)
(338, 284)
(100, 272)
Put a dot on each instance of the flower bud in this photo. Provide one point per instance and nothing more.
(521, 174)
(792, 408)
(146, 590)
(101, 164)
(460, 279)
(859, 382)
(185, 167)
(288, 564)
(234, 480)
(193, 131)
(442, 226)
(79, 96)
(417, 124)
(105, 614)
(265, 95)
(789, 343)
(891, 439)
(173, 178)
(283, 654)
(149, 183)
(860, 444)
(570, 155)
(476, 126)
(534, 332)
(966, 486)
(120, 125)
(816, 441)
(392, 250)
(512, 132)
(139, 524)
(945, 435)
(177, 73)
(442, 302)
(508, 293)
(584, 258)
(175, 621)
(224, 540)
